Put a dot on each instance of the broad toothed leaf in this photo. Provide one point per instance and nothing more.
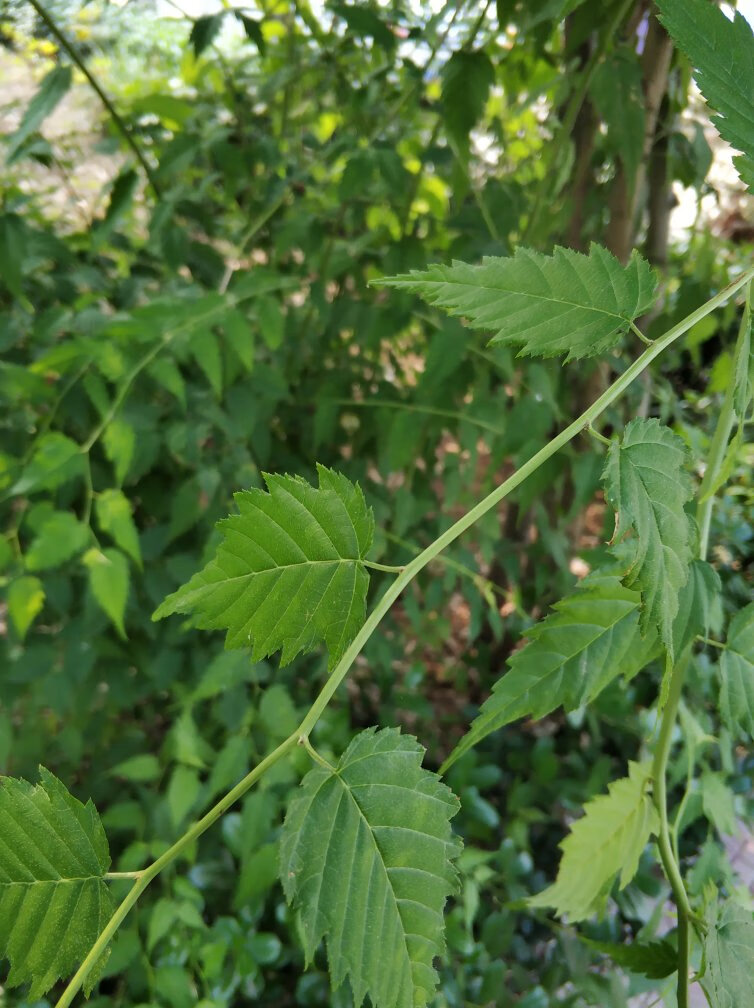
(699, 606)
(729, 951)
(722, 54)
(590, 637)
(607, 841)
(366, 855)
(289, 572)
(647, 485)
(654, 960)
(54, 901)
(737, 673)
(564, 303)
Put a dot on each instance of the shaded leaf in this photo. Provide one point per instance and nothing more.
(654, 960)
(720, 50)
(467, 79)
(366, 854)
(253, 30)
(647, 485)
(13, 245)
(108, 579)
(737, 673)
(606, 842)
(589, 638)
(204, 31)
(564, 303)
(616, 91)
(699, 605)
(729, 950)
(51, 90)
(53, 898)
(289, 571)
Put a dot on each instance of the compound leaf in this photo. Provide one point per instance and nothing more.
(729, 948)
(647, 486)
(564, 303)
(53, 898)
(289, 572)
(720, 50)
(608, 840)
(737, 673)
(366, 854)
(589, 638)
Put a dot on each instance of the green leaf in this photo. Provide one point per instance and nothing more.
(26, 597)
(119, 442)
(743, 365)
(717, 802)
(729, 951)
(737, 673)
(206, 353)
(51, 90)
(108, 579)
(59, 537)
(204, 31)
(239, 336)
(564, 303)
(647, 485)
(366, 855)
(467, 79)
(13, 245)
(142, 768)
(168, 374)
(616, 91)
(699, 605)
(289, 572)
(53, 898)
(607, 841)
(589, 638)
(114, 517)
(253, 30)
(720, 50)
(56, 460)
(654, 960)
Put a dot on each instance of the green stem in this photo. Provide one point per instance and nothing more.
(387, 568)
(572, 110)
(66, 46)
(497, 495)
(664, 842)
(637, 332)
(395, 589)
(145, 877)
(304, 741)
(719, 443)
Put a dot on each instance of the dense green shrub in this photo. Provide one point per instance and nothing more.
(215, 322)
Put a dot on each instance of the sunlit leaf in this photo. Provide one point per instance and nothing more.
(567, 303)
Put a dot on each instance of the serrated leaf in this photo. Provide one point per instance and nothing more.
(564, 303)
(26, 597)
(606, 842)
(654, 960)
(366, 855)
(56, 459)
(114, 517)
(720, 50)
(467, 79)
(289, 572)
(59, 537)
(119, 442)
(589, 638)
(717, 802)
(51, 90)
(53, 898)
(108, 580)
(699, 605)
(729, 951)
(647, 485)
(737, 673)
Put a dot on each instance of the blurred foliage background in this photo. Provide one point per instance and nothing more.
(185, 304)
